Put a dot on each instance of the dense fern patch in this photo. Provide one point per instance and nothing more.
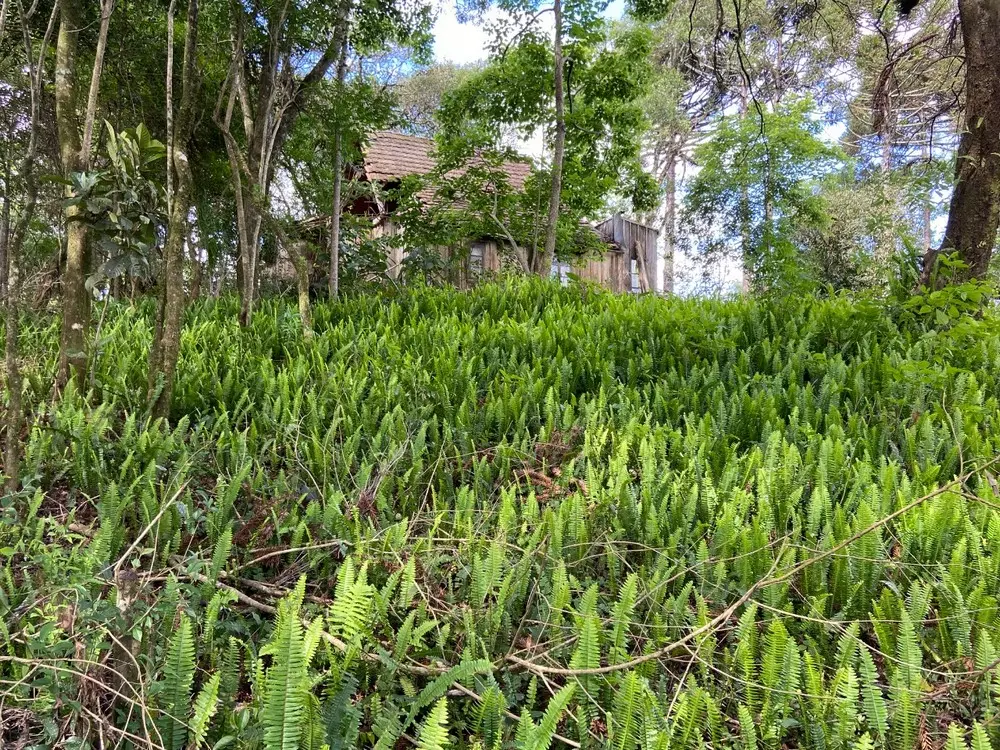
(523, 516)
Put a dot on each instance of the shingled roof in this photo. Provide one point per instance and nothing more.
(392, 156)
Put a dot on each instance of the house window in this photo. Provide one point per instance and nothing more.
(635, 277)
(476, 253)
(561, 270)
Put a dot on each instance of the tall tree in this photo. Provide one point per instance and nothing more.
(754, 188)
(606, 74)
(166, 343)
(75, 138)
(543, 261)
(341, 41)
(280, 54)
(974, 213)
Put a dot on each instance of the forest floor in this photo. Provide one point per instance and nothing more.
(512, 517)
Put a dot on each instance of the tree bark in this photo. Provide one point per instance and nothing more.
(745, 239)
(281, 95)
(165, 350)
(76, 302)
(338, 157)
(197, 267)
(543, 262)
(75, 157)
(297, 254)
(974, 213)
(670, 222)
(5, 224)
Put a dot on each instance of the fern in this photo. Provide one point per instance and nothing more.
(342, 717)
(980, 740)
(490, 717)
(284, 699)
(442, 683)
(205, 705)
(956, 739)
(433, 733)
(876, 713)
(748, 730)
(178, 675)
(220, 555)
(627, 713)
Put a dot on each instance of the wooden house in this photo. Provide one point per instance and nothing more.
(628, 264)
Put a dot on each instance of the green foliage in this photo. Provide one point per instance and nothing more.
(178, 673)
(124, 204)
(754, 190)
(440, 486)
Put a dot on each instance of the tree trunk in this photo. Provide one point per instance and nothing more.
(927, 152)
(297, 254)
(745, 239)
(543, 262)
(670, 222)
(197, 267)
(76, 301)
(338, 159)
(5, 225)
(885, 246)
(267, 121)
(165, 350)
(974, 212)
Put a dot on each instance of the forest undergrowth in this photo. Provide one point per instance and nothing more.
(521, 517)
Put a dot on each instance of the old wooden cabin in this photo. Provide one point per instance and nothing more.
(627, 265)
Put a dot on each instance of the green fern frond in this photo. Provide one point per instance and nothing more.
(873, 702)
(433, 733)
(980, 740)
(284, 700)
(205, 706)
(627, 713)
(748, 730)
(178, 674)
(956, 738)
(443, 682)
(220, 555)
(542, 736)
(623, 612)
(489, 719)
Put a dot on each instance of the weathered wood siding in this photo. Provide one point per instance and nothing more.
(608, 271)
(613, 270)
(637, 241)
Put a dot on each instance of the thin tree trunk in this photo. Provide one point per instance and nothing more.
(745, 240)
(338, 158)
(974, 213)
(297, 254)
(543, 262)
(107, 6)
(76, 302)
(670, 222)
(165, 351)
(197, 267)
(5, 224)
(281, 95)
(927, 149)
